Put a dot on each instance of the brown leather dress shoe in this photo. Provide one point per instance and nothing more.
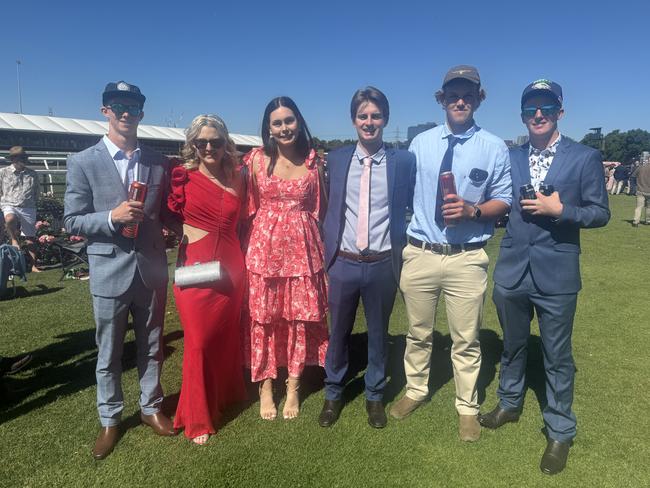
(555, 456)
(160, 424)
(106, 440)
(498, 417)
(376, 414)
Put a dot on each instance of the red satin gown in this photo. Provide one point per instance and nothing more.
(212, 367)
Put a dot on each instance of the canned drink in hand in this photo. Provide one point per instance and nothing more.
(447, 187)
(137, 192)
(527, 192)
(545, 189)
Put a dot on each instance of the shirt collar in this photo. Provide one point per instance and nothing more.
(116, 153)
(377, 158)
(549, 151)
(446, 132)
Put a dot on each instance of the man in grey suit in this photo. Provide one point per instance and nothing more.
(126, 274)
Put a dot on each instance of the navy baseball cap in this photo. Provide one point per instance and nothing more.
(542, 87)
(464, 72)
(122, 89)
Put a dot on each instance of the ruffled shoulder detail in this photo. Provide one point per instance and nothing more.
(251, 155)
(176, 197)
(313, 160)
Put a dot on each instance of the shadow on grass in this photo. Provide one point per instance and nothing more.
(22, 292)
(441, 371)
(60, 369)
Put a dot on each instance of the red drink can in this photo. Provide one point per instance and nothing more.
(137, 192)
(447, 187)
(447, 184)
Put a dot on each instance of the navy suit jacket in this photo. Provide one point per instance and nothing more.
(552, 248)
(400, 167)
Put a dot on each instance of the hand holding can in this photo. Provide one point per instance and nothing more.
(137, 192)
(447, 187)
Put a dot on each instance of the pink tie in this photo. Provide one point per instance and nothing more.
(364, 202)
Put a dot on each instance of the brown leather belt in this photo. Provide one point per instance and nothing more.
(445, 249)
(364, 258)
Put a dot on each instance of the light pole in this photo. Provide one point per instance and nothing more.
(20, 96)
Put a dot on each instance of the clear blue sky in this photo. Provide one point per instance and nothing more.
(231, 58)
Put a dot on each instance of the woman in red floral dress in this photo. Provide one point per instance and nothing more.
(207, 194)
(287, 321)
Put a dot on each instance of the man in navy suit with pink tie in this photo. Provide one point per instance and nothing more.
(538, 269)
(371, 187)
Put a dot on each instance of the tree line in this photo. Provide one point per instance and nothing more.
(624, 147)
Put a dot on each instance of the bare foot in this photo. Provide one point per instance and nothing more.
(267, 406)
(201, 439)
(36, 270)
(292, 403)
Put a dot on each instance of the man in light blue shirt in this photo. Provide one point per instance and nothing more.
(371, 188)
(446, 237)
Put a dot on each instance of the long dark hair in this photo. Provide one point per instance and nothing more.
(304, 142)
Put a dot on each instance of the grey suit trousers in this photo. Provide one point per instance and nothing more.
(147, 308)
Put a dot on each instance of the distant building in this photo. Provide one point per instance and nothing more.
(417, 129)
(521, 140)
(41, 133)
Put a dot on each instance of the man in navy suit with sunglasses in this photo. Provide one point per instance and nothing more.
(538, 268)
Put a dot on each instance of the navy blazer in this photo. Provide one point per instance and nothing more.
(400, 167)
(552, 247)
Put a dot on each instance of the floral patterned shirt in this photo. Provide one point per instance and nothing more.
(540, 162)
(18, 188)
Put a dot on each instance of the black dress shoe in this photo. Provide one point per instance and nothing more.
(330, 413)
(498, 417)
(555, 456)
(376, 414)
(14, 364)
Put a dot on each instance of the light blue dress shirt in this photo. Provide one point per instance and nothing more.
(128, 169)
(477, 150)
(378, 221)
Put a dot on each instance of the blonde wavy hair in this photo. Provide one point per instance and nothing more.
(189, 153)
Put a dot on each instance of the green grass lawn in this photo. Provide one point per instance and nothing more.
(49, 427)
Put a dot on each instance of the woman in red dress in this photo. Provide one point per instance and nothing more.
(206, 194)
(287, 321)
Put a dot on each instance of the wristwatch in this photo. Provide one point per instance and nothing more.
(477, 212)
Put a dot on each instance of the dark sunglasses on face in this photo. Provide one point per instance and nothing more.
(547, 111)
(202, 144)
(119, 109)
(468, 98)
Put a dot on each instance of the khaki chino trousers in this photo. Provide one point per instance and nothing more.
(462, 278)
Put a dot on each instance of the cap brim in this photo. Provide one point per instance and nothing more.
(532, 93)
(123, 94)
(471, 80)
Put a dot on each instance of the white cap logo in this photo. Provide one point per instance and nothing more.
(122, 86)
(541, 85)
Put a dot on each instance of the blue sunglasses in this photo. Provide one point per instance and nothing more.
(547, 110)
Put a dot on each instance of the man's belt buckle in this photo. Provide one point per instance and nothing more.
(446, 249)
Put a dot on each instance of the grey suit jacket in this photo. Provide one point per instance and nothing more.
(93, 188)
